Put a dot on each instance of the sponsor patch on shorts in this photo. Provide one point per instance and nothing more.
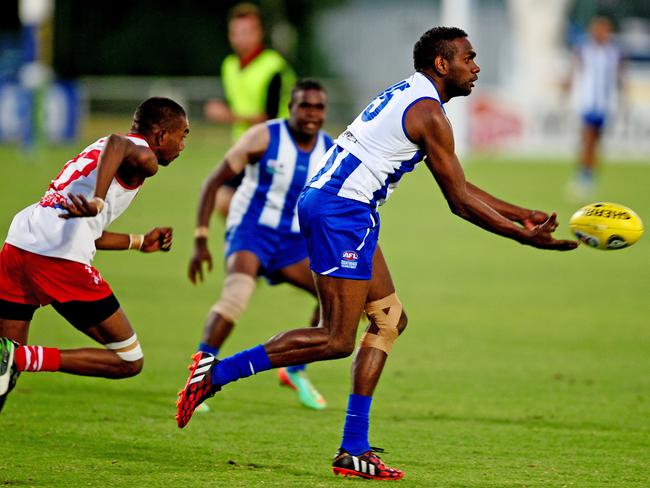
(349, 259)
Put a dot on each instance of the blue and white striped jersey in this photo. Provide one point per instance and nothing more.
(376, 151)
(597, 77)
(269, 191)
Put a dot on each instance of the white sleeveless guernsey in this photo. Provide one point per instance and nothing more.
(269, 191)
(597, 77)
(376, 149)
(39, 229)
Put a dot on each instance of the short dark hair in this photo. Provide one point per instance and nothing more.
(433, 43)
(156, 112)
(306, 84)
(245, 10)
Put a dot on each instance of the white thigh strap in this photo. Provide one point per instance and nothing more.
(128, 350)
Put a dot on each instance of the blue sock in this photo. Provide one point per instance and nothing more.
(203, 347)
(241, 365)
(586, 175)
(296, 368)
(357, 423)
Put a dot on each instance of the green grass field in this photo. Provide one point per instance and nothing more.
(519, 368)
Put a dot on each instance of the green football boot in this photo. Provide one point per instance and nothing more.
(307, 393)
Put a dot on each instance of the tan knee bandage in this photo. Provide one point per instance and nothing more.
(385, 314)
(237, 291)
(128, 350)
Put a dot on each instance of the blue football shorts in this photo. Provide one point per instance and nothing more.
(594, 119)
(274, 249)
(341, 234)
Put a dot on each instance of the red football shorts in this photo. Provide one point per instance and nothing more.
(33, 279)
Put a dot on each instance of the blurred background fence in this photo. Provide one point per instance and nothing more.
(105, 57)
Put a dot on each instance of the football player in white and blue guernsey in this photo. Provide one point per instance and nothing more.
(339, 220)
(278, 158)
(597, 82)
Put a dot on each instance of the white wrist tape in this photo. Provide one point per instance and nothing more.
(100, 203)
(201, 231)
(136, 241)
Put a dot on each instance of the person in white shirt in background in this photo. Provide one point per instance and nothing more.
(597, 81)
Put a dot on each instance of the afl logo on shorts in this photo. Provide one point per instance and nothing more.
(349, 260)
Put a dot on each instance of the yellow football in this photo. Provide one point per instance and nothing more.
(606, 226)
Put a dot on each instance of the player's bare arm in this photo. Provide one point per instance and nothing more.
(526, 217)
(120, 156)
(219, 111)
(428, 126)
(247, 149)
(157, 239)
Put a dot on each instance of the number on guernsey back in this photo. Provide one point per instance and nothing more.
(378, 104)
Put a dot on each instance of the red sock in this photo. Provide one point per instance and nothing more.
(37, 358)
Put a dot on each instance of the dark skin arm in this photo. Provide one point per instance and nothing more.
(157, 239)
(248, 148)
(120, 156)
(527, 218)
(428, 127)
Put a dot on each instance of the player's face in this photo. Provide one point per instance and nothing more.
(463, 70)
(601, 30)
(308, 109)
(245, 34)
(173, 142)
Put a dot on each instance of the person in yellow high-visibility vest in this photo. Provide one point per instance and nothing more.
(256, 81)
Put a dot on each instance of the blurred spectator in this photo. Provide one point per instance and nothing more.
(597, 81)
(257, 84)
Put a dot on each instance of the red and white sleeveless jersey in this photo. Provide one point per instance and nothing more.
(39, 229)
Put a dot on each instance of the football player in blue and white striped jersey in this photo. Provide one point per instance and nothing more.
(597, 82)
(278, 157)
(340, 222)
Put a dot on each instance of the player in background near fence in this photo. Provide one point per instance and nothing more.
(339, 220)
(597, 82)
(263, 237)
(47, 255)
(256, 82)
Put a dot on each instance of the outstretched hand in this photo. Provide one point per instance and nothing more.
(78, 206)
(541, 237)
(201, 255)
(157, 239)
(536, 217)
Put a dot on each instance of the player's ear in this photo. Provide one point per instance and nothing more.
(160, 136)
(441, 65)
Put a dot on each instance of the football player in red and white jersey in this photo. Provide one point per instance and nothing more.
(47, 256)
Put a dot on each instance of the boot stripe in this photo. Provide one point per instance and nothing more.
(364, 467)
(196, 379)
(202, 369)
(355, 460)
